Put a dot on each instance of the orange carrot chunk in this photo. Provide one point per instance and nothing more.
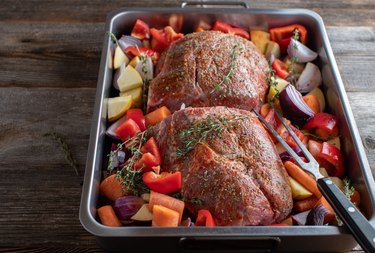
(164, 217)
(167, 201)
(156, 116)
(111, 188)
(306, 204)
(312, 102)
(302, 177)
(331, 213)
(108, 217)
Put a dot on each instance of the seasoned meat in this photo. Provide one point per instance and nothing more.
(210, 69)
(228, 162)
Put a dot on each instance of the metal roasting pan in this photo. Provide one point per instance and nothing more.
(225, 239)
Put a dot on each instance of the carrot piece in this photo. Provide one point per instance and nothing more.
(306, 204)
(302, 177)
(164, 217)
(156, 116)
(356, 198)
(167, 201)
(108, 217)
(111, 188)
(331, 213)
(265, 109)
(312, 102)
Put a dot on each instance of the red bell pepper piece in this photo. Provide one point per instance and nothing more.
(325, 125)
(137, 51)
(164, 183)
(333, 155)
(151, 147)
(279, 33)
(138, 117)
(205, 218)
(141, 30)
(284, 43)
(227, 28)
(283, 132)
(162, 39)
(281, 69)
(127, 130)
(146, 162)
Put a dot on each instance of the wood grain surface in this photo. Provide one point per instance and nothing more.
(49, 61)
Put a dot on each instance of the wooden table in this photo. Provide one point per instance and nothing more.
(49, 61)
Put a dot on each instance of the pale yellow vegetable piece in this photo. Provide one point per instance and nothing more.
(143, 214)
(272, 48)
(120, 57)
(146, 197)
(320, 96)
(260, 39)
(134, 62)
(275, 89)
(136, 96)
(118, 106)
(298, 191)
(129, 79)
(323, 172)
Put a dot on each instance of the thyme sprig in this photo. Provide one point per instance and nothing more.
(65, 149)
(197, 132)
(348, 188)
(130, 178)
(237, 50)
(113, 37)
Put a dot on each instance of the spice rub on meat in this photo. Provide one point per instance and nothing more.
(229, 165)
(210, 68)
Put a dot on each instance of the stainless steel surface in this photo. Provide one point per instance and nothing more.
(306, 238)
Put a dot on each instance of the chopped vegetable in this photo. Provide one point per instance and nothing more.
(227, 28)
(298, 191)
(152, 147)
(157, 116)
(317, 216)
(272, 49)
(330, 215)
(125, 207)
(164, 217)
(324, 124)
(111, 129)
(161, 39)
(299, 219)
(312, 102)
(111, 188)
(309, 79)
(205, 218)
(136, 95)
(129, 79)
(143, 214)
(117, 107)
(108, 217)
(302, 177)
(141, 30)
(320, 96)
(305, 204)
(128, 129)
(146, 162)
(333, 156)
(167, 201)
(137, 51)
(137, 116)
(164, 183)
(260, 40)
(293, 106)
(281, 69)
(129, 41)
(119, 58)
(300, 52)
(285, 32)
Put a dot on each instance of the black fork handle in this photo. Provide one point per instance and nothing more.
(360, 227)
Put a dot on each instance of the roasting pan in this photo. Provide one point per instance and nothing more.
(225, 239)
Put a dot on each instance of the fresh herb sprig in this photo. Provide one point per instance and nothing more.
(130, 178)
(197, 132)
(348, 188)
(65, 149)
(113, 37)
(237, 50)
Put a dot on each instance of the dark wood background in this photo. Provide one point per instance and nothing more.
(49, 61)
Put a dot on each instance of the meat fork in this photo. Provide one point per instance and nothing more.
(359, 226)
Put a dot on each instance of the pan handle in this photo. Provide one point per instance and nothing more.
(360, 227)
(215, 3)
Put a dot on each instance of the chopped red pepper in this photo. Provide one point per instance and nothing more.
(333, 155)
(284, 43)
(146, 162)
(205, 218)
(283, 132)
(279, 33)
(127, 130)
(281, 69)
(324, 124)
(141, 30)
(227, 28)
(137, 51)
(164, 183)
(151, 147)
(162, 39)
(137, 115)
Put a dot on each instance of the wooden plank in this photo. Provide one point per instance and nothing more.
(335, 12)
(68, 55)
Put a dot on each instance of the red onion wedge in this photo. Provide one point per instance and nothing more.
(309, 79)
(125, 207)
(285, 155)
(300, 52)
(112, 128)
(145, 68)
(316, 216)
(293, 106)
(127, 41)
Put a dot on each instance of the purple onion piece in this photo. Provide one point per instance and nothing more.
(285, 155)
(187, 223)
(316, 216)
(127, 41)
(300, 218)
(294, 107)
(125, 207)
